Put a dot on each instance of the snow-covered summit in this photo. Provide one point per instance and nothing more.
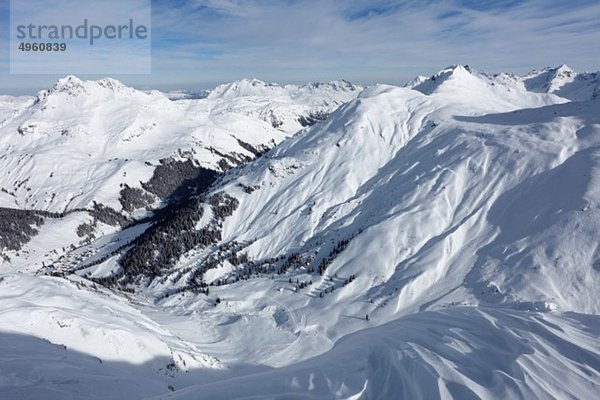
(415, 81)
(455, 74)
(565, 82)
(245, 88)
(69, 84)
(288, 108)
(561, 81)
(73, 90)
(549, 80)
(464, 85)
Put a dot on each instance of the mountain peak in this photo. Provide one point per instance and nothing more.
(457, 69)
(73, 86)
(69, 84)
(549, 80)
(338, 85)
(415, 81)
(69, 79)
(110, 83)
(564, 68)
(439, 79)
(243, 88)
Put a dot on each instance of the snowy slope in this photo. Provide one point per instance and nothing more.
(442, 204)
(461, 353)
(435, 189)
(437, 241)
(10, 106)
(94, 344)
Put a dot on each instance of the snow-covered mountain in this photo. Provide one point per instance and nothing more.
(290, 107)
(430, 241)
(105, 152)
(105, 131)
(562, 81)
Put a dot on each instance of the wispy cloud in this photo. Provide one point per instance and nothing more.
(208, 41)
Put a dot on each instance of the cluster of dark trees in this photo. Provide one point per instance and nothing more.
(223, 205)
(195, 280)
(331, 288)
(277, 265)
(109, 216)
(253, 269)
(164, 242)
(272, 266)
(238, 258)
(17, 227)
(232, 252)
(174, 179)
(50, 214)
(326, 261)
(159, 248)
(196, 290)
(275, 122)
(349, 279)
(133, 198)
(228, 251)
(296, 261)
(108, 281)
(84, 230)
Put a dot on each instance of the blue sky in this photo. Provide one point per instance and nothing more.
(200, 43)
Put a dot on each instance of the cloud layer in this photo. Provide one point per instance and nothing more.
(210, 41)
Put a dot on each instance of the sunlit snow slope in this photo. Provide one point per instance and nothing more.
(456, 196)
(441, 202)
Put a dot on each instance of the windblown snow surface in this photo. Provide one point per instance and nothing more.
(455, 223)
